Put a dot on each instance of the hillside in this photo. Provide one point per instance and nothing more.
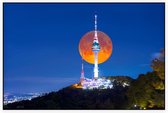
(135, 96)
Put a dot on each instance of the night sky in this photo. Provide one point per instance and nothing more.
(41, 42)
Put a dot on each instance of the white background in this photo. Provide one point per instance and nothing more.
(77, 111)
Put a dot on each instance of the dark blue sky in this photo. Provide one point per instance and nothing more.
(41, 42)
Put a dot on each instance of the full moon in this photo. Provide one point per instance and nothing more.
(85, 47)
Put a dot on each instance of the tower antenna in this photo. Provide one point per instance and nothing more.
(95, 22)
(82, 72)
(95, 26)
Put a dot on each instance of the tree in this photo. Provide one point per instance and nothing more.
(158, 65)
(144, 95)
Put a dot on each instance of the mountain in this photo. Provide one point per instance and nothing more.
(139, 94)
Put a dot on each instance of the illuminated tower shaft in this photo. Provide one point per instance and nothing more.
(95, 49)
(96, 71)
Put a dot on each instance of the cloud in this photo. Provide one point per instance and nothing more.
(159, 55)
(42, 79)
(155, 55)
(37, 84)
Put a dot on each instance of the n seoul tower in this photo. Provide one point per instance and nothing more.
(95, 49)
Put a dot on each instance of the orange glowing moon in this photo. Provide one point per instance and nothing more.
(85, 47)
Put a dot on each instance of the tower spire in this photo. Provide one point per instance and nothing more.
(95, 26)
(95, 22)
